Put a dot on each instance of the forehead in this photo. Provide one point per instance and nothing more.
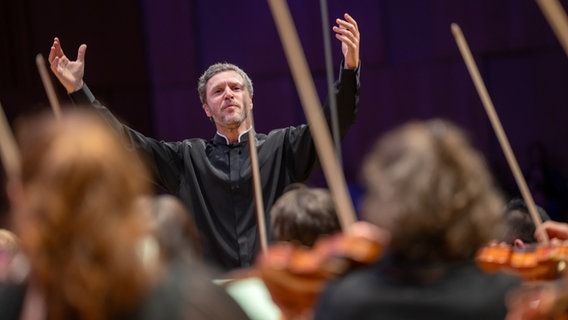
(221, 78)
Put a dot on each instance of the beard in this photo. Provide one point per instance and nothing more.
(235, 119)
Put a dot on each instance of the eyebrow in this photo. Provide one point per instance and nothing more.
(229, 82)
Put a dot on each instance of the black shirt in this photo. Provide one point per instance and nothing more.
(213, 178)
(387, 290)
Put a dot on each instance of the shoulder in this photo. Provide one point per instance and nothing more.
(186, 291)
(186, 144)
(347, 296)
(495, 279)
(290, 131)
(352, 285)
(195, 142)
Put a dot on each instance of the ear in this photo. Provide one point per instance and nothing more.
(207, 111)
(518, 243)
(251, 103)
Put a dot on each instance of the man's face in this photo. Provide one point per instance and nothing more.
(227, 100)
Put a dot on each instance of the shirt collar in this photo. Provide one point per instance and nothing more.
(222, 138)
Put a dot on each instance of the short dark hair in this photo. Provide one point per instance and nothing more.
(301, 215)
(175, 228)
(519, 223)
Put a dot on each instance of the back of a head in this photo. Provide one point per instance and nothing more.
(79, 225)
(174, 228)
(519, 223)
(303, 214)
(432, 190)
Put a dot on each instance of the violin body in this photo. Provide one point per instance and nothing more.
(534, 262)
(296, 275)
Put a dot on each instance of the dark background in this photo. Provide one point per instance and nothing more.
(144, 58)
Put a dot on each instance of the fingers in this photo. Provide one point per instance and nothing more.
(51, 54)
(56, 56)
(369, 231)
(349, 23)
(58, 65)
(553, 229)
(347, 28)
(347, 31)
(81, 53)
(55, 50)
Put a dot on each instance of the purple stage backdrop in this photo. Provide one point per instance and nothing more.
(144, 58)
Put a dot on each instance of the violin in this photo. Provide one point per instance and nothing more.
(532, 262)
(332, 255)
(538, 300)
(296, 275)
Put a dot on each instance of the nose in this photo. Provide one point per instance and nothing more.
(228, 93)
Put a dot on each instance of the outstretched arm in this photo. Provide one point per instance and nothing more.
(347, 32)
(69, 73)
